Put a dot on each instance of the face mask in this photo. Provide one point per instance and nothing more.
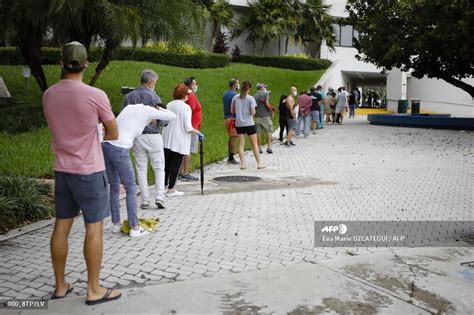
(295, 93)
(237, 87)
(195, 89)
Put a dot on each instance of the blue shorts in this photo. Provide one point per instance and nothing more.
(88, 193)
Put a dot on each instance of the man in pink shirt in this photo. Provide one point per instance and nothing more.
(73, 111)
(304, 114)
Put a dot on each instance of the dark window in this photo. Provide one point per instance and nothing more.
(345, 35)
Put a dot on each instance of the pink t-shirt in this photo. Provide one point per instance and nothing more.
(304, 101)
(73, 109)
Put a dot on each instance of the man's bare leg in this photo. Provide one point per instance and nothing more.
(232, 146)
(269, 143)
(186, 164)
(59, 250)
(289, 136)
(93, 250)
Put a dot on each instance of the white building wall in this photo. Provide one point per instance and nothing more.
(396, 89)
(343, 59)
(438, 96)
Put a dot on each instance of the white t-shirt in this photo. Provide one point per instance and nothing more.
(132, 120)
(177, 135)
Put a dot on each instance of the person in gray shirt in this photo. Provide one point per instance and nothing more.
(149, 145)
(263, 116)
(243, 106)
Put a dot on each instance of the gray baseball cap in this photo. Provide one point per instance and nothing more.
(74, 56)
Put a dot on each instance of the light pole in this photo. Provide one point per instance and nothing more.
(26, 72)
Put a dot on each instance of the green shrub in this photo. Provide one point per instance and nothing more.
(180, 48)
(12, 56)
(23, 201)
(286, 62)
(21, 118)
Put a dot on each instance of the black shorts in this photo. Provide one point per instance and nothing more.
(249, 130)
(89, 193)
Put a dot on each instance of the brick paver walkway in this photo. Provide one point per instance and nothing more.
(379, 173)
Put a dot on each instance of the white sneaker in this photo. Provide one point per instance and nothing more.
(139, 233)
(174, 194)
(160, 204)
(117, 228)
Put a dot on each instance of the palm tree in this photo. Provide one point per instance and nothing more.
(315, 24)
(220, 15)
(160, 19)
(30, 19)
(264, 22)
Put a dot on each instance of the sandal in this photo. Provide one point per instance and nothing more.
(105, 298)
(69, 290)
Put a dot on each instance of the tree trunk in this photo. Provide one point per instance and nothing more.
(30, 46)
(287, 41)
(144, 39)
(104, 61)
(215, 28)
(460, 84)
(279, 46)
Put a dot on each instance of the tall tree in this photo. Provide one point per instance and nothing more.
(220, 14)
(265, 21)
(30, 20)
(433, 38)
(315, 24)
(160, 20)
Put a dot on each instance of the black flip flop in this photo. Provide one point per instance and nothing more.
(105, 298)
(69, 290)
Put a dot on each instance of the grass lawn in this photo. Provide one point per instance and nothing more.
(29, 154)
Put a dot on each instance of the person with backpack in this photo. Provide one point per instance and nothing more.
(263, 116)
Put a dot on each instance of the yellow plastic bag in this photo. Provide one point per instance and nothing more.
(149, 224)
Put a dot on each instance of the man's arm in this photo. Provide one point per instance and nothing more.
(111, 129)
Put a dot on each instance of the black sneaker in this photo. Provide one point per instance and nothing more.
(292, 143)
(188, 177)
(233, 161)
(269, 150)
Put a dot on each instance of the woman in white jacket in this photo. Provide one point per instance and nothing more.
(177, 138)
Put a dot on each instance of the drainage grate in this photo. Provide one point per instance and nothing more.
(237, 179)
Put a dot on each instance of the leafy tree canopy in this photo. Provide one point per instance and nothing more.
(427, 37)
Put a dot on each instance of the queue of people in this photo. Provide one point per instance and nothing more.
(166, 136)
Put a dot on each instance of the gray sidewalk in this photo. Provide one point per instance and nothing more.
(409, 281)
(354, 171)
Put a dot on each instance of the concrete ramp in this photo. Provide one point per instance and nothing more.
(5, 96)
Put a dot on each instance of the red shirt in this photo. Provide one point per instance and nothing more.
(196, 117)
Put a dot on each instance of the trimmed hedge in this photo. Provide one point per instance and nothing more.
(286, 62)
(12, 56)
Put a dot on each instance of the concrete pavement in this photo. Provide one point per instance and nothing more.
(354, 171)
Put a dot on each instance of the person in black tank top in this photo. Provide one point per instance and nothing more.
(284, 115)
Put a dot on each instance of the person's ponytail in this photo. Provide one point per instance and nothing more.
(246, 86)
